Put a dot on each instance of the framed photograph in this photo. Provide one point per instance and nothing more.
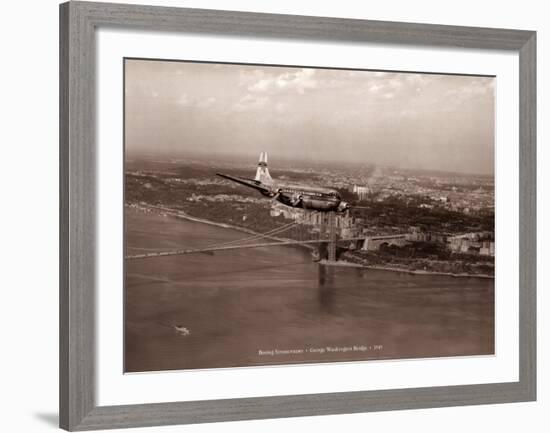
(274, 216)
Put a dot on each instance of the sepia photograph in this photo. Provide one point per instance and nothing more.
(279, 215)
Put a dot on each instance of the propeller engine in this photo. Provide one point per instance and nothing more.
(343, 207)
(276, 195)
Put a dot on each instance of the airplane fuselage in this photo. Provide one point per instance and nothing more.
(306, 197)
(298, 196)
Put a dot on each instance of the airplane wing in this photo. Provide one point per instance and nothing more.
(251, 183)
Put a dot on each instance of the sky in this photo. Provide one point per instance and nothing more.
(400, 119)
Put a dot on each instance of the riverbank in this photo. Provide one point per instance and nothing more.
(343, 263)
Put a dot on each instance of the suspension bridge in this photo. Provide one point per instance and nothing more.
(327, 236)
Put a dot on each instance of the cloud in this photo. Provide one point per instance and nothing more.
(415, 79)
(383, 84)
(375, 88)
(299, 81)
(281, 107)
(206, 103)
(250, 102)
(470, 89)
(184, 100)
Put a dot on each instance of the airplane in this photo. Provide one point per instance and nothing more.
(297, 196)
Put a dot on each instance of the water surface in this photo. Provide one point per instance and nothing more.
(239, 307)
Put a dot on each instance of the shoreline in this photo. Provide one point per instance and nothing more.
(346, 264)
(341, 263)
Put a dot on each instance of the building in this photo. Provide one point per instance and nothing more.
(487, 249)
(361, 191)
(473, 243)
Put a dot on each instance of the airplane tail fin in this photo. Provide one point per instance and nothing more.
(262, 172)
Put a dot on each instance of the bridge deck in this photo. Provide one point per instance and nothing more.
(381, 237)
(233, 247)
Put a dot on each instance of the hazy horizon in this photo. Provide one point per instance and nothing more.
(407, 120)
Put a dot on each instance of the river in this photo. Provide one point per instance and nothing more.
(274, 305)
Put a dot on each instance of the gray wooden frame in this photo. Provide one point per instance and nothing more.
(78, 21)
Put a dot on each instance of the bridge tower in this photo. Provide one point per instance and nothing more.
(331, 237)
(328, 227)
